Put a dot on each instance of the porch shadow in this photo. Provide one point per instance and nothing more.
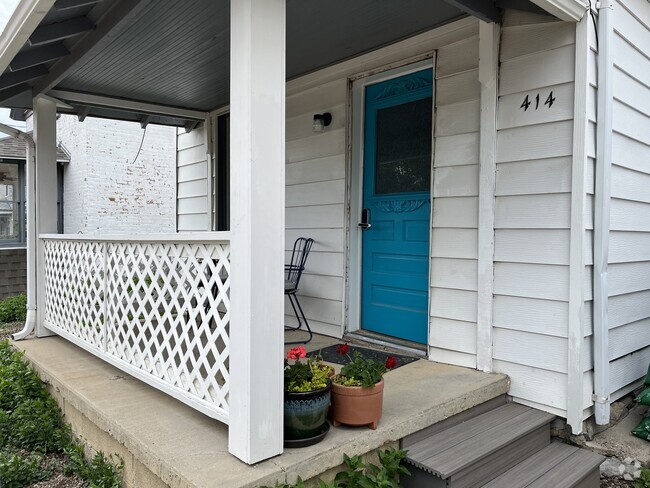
(166, 443)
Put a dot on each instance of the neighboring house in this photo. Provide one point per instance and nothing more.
(468, 199)
(106, 190)
(110, 191)
(13, 259)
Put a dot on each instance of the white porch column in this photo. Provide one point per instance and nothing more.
(257, 94)
(46, 192)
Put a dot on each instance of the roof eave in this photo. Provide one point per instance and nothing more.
(568, 10)
(25, 19)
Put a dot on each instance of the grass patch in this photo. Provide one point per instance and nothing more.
(13, 309)
(32, 430)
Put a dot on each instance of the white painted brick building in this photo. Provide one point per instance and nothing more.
(105, 191)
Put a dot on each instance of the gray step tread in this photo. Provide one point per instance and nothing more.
(458, 447)
(557, 465)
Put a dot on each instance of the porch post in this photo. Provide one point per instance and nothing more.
(46, 193)
(489, 35)
(257, 93)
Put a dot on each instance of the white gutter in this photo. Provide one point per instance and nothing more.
(602, 195)
(567, 10)
(23, 22)
(30, 321)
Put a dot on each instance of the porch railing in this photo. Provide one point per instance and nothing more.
(156, 307)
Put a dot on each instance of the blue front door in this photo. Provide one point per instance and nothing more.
(397, 206)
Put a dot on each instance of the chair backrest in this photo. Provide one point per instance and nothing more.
(301, 249)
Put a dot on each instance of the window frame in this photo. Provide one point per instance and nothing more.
(21, 241)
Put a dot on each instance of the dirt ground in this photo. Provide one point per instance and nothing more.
(10, 328)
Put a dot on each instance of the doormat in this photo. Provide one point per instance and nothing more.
(330, 354)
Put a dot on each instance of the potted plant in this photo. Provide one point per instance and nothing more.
(307, 387)
(358, 390)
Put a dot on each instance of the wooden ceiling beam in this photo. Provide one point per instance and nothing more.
(13, 91)
(66, 4)
(121, 11)
(484, 10)
(38, 56)
(58, 31)
(17, 77)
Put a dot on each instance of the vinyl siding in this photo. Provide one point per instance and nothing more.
(629, 259)
(454, 250)
(532, 209)
(192, 207)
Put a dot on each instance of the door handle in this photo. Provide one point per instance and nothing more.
(365, 219)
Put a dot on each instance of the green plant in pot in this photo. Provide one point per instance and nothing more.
(358, 391)
(307, 387)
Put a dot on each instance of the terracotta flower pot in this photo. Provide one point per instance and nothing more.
(355, 405)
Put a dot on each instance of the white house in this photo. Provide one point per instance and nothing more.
(496, 155)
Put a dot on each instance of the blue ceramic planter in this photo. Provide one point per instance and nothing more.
(305, 413)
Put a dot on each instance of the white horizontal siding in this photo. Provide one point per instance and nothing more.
(454, 246)
(192, 207)
(629, 249)
(533, 209)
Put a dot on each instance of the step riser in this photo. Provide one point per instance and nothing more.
(591, 481)
(502, 460)
(421, 479)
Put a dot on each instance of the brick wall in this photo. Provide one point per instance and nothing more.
(13, 272)
(105, 191)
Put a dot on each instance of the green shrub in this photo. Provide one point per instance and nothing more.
(360, 475)
(644, 480)
(38, 424)
(30, 420)
(101, 472)
(13, 309)
(18, 469)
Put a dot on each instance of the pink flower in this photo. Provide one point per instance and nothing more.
(342, 348)
(390, 362)
(296, 353)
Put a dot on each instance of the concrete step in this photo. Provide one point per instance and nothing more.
(479, 449)
(558, 465)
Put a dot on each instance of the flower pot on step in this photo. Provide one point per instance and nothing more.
(305, 413)
(356, 405)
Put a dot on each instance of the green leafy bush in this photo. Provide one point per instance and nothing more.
(18, 469)
(13, 309)
(101, 472)
(31, 425)
(360, 475)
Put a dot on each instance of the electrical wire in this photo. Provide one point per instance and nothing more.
(144, 133)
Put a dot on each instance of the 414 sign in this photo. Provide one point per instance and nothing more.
(526, 104)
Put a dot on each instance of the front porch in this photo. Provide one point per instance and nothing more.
(166, 443)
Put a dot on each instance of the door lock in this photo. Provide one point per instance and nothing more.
(365, 219)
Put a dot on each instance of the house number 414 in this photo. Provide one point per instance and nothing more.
(527, 102)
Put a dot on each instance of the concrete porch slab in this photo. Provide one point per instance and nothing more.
(168, 443)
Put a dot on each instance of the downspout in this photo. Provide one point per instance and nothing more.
(602, 195)
(30, 321)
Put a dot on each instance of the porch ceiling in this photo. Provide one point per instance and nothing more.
(176, 54)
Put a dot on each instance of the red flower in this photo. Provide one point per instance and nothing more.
(342, 348)
(296, 353)
(390, 362)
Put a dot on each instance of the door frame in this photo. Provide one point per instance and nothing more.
(352, 322)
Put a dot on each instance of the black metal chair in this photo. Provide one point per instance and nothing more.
(293, 273)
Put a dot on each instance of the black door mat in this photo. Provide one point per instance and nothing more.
(331, 354)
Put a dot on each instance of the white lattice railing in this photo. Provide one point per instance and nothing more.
(158, 308)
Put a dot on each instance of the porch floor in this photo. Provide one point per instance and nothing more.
(181, 447)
